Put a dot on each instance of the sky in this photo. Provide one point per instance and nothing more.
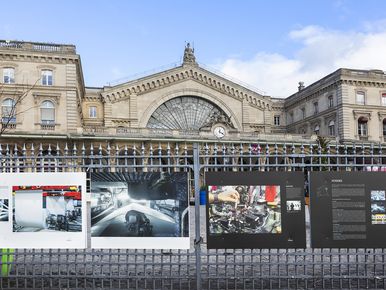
(269, 45)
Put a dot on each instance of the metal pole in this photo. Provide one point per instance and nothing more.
(197, 240)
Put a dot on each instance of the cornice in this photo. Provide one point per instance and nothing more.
(181, 74)
(40, 58)
(315, 93)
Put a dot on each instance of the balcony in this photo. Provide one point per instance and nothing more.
(363, 138)
(10, 126)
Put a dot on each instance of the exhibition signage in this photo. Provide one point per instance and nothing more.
(255, 210)
(42, 210)
(143, 210)
(348, 209)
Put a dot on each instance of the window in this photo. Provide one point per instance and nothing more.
(92, 112)
(316, 108)
(291, 117)
(384, 127)
(47, 110)
(303, 113)
(331, 128)
(362, 126)
(47, 77)
(383, 99)
(360, 98)
(276, 120)
(330, 101)
(317, 130)
(8, 111)
(9, 75)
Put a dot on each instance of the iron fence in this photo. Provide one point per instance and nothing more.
(198, 267)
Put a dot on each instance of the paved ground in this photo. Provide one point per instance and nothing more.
(178, 269)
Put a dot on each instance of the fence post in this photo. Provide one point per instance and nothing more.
(197, 240)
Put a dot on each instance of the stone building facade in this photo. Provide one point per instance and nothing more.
(43, 95)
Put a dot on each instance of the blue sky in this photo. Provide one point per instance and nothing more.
(269, 44)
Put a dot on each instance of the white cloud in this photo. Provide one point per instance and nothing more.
(322, 51)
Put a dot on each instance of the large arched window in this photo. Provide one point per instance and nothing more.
(331, 128)
(47, 113)
(8, 111)
(187, 113)
(362, 127)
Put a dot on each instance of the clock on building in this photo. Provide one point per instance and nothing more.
(219, 132)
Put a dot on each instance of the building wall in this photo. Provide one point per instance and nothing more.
(66, 91)
(131, 104)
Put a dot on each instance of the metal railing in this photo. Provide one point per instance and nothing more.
(198, 267)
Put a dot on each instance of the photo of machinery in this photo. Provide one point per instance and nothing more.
(4, 213)
(139, 204)
(47, 208)
(244, 209)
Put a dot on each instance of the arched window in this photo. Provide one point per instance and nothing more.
(362, 127)
(47, 77)
(187, 113)
(8, 111)
(47, 113)
(317, 130)
(331, 128)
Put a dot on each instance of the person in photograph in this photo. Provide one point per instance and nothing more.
(229, 194)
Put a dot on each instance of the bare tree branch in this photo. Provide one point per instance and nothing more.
(8, 116)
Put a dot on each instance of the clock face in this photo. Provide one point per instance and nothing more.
(219, 132)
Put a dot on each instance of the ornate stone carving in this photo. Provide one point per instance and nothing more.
(189, 57)
(217, 117)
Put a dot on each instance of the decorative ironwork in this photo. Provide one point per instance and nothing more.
(187, 113)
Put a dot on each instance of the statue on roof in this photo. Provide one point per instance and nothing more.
(189, 57)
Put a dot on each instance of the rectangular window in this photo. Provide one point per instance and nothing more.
(276, 120)
(330, 101)
(9, 75)
(47, 77)
(383, 99)
(291, 117)
(360, 98)
(316, 108)
(92, 112)
(331, 130)
(303, 113)
(48, 116)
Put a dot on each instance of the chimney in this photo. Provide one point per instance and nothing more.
(301, 86)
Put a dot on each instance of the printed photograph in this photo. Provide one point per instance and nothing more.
(244, 209)
(378, 219)
(47, 208)
(294, 205)
(4, 212)
(377, 207)
(146, 204)
(378, 195)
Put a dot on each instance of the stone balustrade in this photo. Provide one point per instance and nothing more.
(37, 46)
